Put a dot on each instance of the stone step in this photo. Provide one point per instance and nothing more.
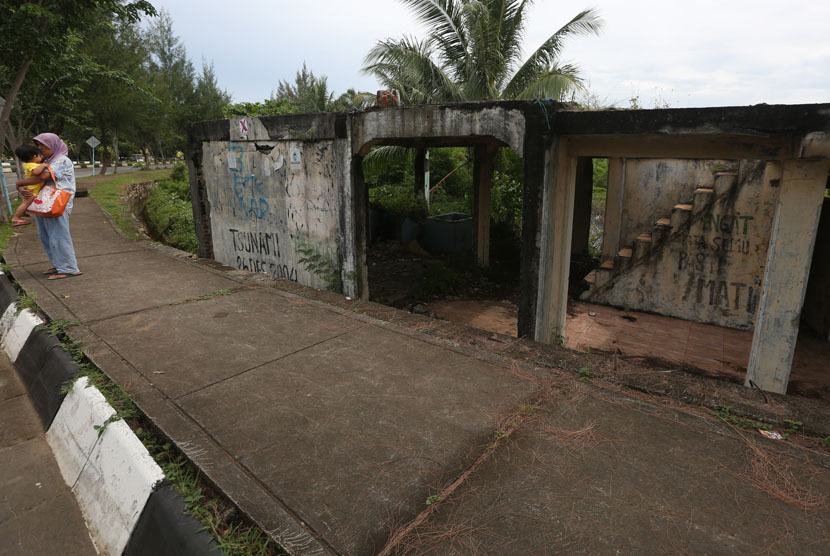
(704, 197)
(680, 215)
(642, 245)
(622, 260)
(599, 276)
(662, 230)
(725, 182)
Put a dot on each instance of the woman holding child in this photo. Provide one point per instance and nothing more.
(54, 231)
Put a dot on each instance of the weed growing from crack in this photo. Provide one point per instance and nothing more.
(221, 519)
(793, 426)
(724, 413)
(204, 297)
(27, 301)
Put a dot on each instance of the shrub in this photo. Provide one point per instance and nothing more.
(179, 172)
(168, 214)
(506, 202)
(399, 200)
(442, 203)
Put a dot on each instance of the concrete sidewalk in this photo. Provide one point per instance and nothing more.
(340, 434)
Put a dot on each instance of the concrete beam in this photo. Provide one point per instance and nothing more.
(788, 266)
(816, 145)
(753, 147)
(499, 123)
(557, 227)
(613, 208)
(482, 186)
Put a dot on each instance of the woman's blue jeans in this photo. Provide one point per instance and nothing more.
(54, 235)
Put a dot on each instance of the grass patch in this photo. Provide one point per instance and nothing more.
(108, 194)
(6, 232)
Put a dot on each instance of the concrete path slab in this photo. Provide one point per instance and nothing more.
(355, 433)
(600, 474)
(127, 282)
(199, 343)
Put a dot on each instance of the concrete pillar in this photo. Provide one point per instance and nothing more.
(360, 231)
(482, 184)
(420, 171)
(613, 208)
(785, 280)
(557, 227)
(583, 196)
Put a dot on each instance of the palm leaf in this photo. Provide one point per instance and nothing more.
(381, 157)
(444, 18)
(542, 60)
(407, 65)
(554, 83)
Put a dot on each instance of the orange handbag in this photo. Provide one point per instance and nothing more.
(50, 201)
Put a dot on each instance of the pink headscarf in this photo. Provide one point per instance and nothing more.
(54, 144)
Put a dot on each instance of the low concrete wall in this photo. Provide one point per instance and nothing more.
(273, 197)
(274, 212)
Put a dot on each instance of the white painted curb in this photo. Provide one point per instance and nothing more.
(111, 475)
(15, 329)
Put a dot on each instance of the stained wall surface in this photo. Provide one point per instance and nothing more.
(654, 185)
(710, 266)
(275, 208)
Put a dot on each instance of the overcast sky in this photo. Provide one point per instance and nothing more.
(676, 52)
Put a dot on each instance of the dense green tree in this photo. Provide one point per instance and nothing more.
(38, 32)
(173, 82)
(309, 94)
(208, 98)
(117, 89)
(473, 52)
(269, 107)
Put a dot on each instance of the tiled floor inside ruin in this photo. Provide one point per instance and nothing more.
(712, 350)
(701, 348)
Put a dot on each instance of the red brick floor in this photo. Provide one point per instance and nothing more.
(712, 350)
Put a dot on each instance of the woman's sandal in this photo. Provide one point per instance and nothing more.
(52, 270)
(19, 222)
(62, 276)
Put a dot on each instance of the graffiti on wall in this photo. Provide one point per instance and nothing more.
(702, 290)
(251, 250)
(706, 258)
(248, 191)
(275, 210)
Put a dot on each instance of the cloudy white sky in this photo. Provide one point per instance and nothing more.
(676, 52)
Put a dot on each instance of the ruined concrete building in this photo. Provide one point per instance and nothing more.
(712, 215)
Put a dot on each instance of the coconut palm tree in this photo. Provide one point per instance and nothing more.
(473, 52)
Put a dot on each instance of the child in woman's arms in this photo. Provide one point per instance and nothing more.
(33, 166)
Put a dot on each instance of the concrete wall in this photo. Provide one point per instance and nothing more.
(654, 186)
(710, 267)
(275, 201)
